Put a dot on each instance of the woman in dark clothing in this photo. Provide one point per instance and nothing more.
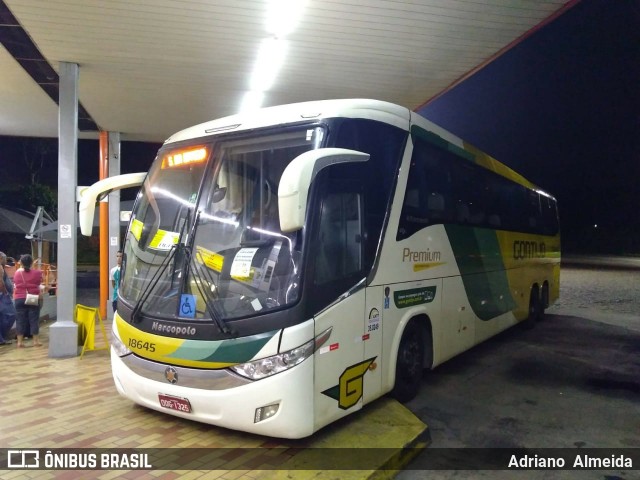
(7, 309)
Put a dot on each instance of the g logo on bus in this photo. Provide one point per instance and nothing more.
(171, 374)
(349, 391)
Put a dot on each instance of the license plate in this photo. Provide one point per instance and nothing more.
(174, 403)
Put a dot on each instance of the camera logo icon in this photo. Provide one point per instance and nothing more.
(23, 459)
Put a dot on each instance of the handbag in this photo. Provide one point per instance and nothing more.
(32, 299)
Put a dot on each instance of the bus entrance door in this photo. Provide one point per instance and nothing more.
(339, 364)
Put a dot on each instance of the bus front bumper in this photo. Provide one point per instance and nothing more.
(222, 398)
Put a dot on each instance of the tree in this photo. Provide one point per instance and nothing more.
(37, 195)
(35, 151)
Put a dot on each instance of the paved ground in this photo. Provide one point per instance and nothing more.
(572, 381)
(72, 404)
(606, 290)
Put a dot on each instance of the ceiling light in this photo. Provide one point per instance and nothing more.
(283, 16)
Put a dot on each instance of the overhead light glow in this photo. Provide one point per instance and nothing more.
(270, 58)
(283, 16)
(251, 101)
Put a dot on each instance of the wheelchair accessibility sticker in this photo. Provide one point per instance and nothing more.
(188, 305)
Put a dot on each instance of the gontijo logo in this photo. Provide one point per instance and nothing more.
(349, 390)
(525, 249)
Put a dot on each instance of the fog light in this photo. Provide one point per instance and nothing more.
(268, 411)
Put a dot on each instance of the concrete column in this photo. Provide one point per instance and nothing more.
(114, 211)
(63, 334)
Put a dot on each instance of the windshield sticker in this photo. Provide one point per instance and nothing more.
(255, 303)
(136, 228)
(188, 305)
(212, 260)
(241, 266)
(415, 296)
(164, 240)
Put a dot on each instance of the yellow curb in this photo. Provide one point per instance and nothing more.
(385, 425)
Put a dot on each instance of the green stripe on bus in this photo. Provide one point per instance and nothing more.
(441, 143)
(484, 277)
(237, 350)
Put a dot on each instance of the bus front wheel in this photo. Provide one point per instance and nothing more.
(409, 364)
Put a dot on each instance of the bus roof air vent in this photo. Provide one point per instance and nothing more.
(222, 129)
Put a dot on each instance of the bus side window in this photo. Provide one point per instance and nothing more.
(428, 197)
(549, 216)
(533, 211)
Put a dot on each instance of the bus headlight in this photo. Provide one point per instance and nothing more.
(278, 363)
(119, 347)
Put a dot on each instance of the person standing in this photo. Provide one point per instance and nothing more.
(27, 280)
(7, 309)
(115, 280)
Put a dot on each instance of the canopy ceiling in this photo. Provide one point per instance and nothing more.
(149, 68)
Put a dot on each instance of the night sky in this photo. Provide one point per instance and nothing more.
(136, 157)
(562, 108)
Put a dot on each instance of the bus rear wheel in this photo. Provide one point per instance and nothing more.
(544, 300)
(409, 365)
(535, 309)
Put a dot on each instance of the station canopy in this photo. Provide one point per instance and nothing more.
(150, 68)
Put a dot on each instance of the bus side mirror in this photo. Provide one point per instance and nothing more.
(90, 196)
(218, 194)
(297, 178)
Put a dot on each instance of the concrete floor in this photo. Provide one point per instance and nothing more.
(572, 381)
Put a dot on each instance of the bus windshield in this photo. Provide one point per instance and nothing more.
(204, 241)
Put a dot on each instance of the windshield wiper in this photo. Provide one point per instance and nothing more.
(135, 315)
(201, 275)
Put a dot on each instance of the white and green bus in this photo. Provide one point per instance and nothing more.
(284, 267)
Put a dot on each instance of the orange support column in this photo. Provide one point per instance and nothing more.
(104, 227)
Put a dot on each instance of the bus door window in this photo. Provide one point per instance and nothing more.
(339, 254)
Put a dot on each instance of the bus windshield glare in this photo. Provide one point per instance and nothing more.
(205, 240)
